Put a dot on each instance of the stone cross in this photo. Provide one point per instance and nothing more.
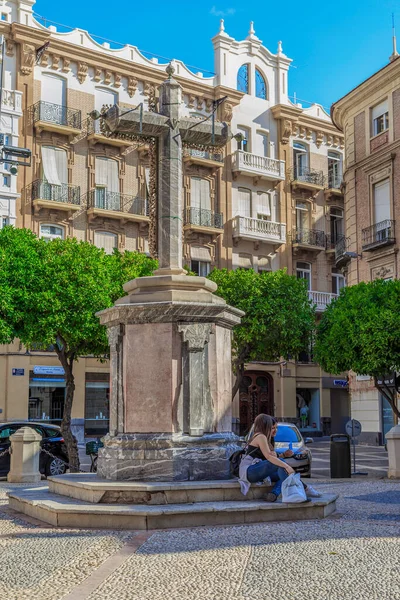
(170, 128)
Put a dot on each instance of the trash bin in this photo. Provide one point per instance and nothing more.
(340, 456)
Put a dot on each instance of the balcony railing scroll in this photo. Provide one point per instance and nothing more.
(56, 114)
(203, 218)
(332, 240)
(309, 237)
(42, 190)
(307, 175)
(379, 234)
(114, 201)
(341, 247)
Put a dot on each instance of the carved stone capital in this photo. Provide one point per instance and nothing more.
(9, 47)
(200, 103)
(117, 80)
(44, 59)
(196, 335)
(227, 112)
(28, 56)
(97, 74)
(66, 68)
(319, 138)
(82, 71)
(209, 104)
(107, 77)
(191, 101)
(55, 61)
(287, 130)
(132, 86)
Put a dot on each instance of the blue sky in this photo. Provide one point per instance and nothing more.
(334, 45)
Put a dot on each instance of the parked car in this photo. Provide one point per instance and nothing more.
(52, 441)
(288, 436)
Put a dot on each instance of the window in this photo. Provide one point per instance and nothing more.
(6, 180)
(245, 261)
(261, 85)
(243, 79)
(107, 184)
(97, 402)
(303, 271)
(200, 260)
(51, 232)
(338, 281)
(106, 240)
(264, 264)
(244, 143)
(53, 93)
(103, 97)
(262, 144)
(200, 196)
(7, 140)
(4, 221)
(300, 160)
(336, 215)
(244, 202)
(380, 118)
(381, 196)
(4, 17)
(263, 206)
(302, 216)
(334, 169)
(54, 163)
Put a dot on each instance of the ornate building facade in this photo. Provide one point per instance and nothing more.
(271, 199)
(369, 115)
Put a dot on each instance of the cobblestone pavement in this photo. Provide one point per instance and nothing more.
(353, 555)
(371, 460)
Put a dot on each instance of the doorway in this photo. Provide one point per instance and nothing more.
(256, 396)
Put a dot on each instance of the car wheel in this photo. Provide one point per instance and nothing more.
(55, 466)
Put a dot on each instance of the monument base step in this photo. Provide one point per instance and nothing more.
(61, 511)
(91, 488)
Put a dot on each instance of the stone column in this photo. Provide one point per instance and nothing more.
(25, 453)
(393, 446)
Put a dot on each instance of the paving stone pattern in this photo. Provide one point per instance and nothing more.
(353, 555)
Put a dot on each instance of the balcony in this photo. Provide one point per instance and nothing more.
(63, 197)
(247, 228)
(309, 239)
(332, 240)
(193, 156)
(381, 234)
(333, 191)
(307, 179)
(200, 219)
(95, 135)
(341, 248)
(321, 299)
(56, 118)
(258, 166)
(113, 205)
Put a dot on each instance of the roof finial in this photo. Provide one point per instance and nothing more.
(251, 30)
(394, 54)
(279, 51)
(221, 26)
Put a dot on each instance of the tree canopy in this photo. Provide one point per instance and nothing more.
(279, 320)
(360, 331)
(50, 292)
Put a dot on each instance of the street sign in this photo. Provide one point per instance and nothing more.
(18, 372)
(340, 382)
(388, 380)
(353, 428)
(41, 370)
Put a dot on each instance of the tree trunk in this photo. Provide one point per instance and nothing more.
(390, 396)
(69, 438)
(238, 380)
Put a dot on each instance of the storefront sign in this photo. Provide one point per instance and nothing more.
(40, 370)
(18, 372)
(331, 383)
(340, 382)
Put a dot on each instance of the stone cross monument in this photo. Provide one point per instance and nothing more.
(170, 337)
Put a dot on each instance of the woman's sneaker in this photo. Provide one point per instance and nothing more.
(270, 497)
(312, 492)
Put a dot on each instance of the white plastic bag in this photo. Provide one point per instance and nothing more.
(293, 490)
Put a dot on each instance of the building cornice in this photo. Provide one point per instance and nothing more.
(295, 123)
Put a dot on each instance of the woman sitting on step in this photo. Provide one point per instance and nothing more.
(260, 461)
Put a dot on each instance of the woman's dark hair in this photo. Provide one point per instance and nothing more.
(263, 424)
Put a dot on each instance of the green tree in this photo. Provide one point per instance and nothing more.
(360, 332)
(50, 292)
(279, 320)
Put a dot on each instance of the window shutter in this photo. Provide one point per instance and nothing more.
(105, 240)
(382, 201)
(200, 253)
(205, 194)
(380, 109)
(195, 192)
(245, 261)
(53, 90)
(264, 204)
(244, 204)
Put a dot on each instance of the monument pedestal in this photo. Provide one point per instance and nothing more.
(171, 382)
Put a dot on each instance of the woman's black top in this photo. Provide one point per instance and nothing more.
(255, 452)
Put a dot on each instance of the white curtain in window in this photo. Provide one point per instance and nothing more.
(54, 165)
(263, 204)
(107, 174)
(200, 193)
(244, 202)
(105, 240)
(200, 253)
(147, 178)
(380, 109)
(382, 201)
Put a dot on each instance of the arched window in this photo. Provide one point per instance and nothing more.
(54, 184)
(261, 85)
(107, 184)
(334, 169)
(51, 232)
(243, 79)
(303, 271)
(106, 240)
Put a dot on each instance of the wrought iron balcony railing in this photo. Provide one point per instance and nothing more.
(259, 229)
(377, 235)
(334, 181)
(309, 237)
(332, 240)
(341, 247)
(66, 193)
(205, 154)
(306, 175)
(203, 218)
(114, 201)
(56, 114)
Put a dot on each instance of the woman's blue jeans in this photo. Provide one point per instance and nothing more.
(264, 469)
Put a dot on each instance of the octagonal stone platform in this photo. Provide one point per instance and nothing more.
(87, 501)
